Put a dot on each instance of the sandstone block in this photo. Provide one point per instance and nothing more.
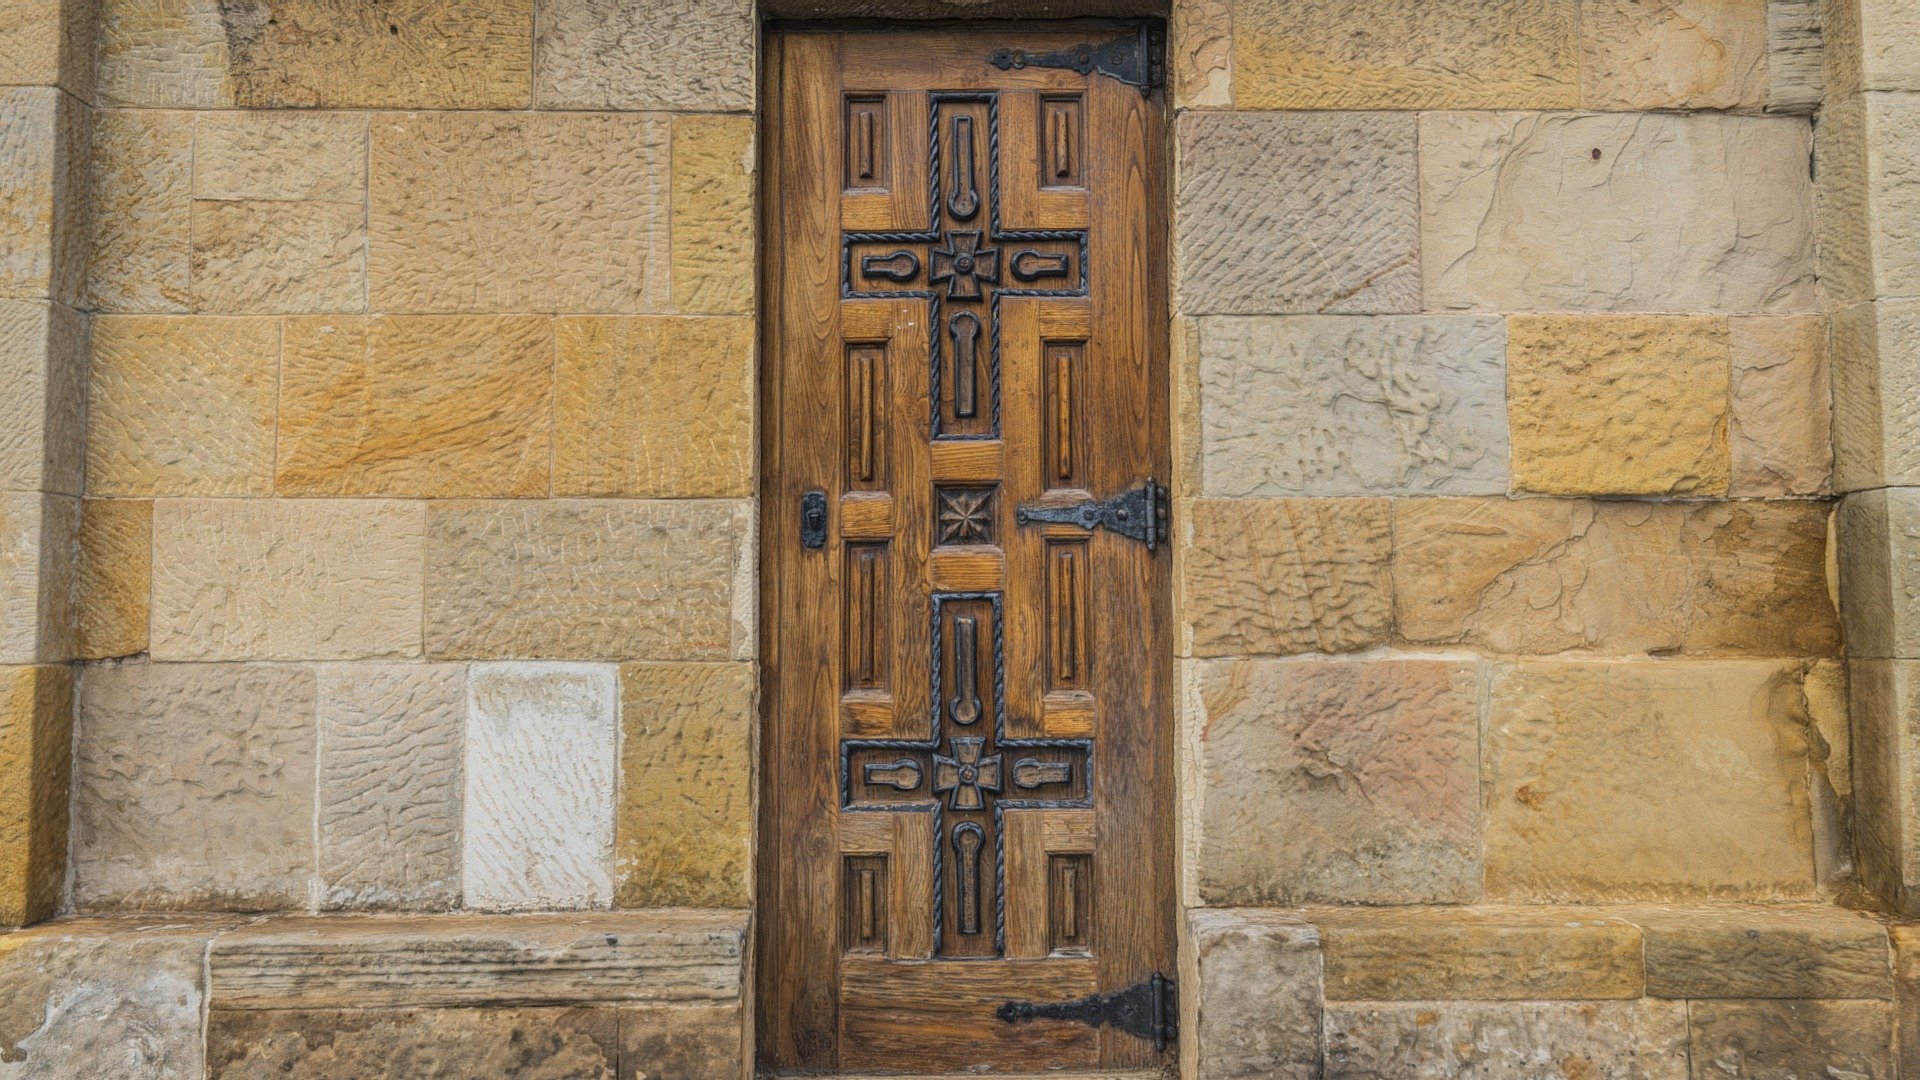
(113, 576)
(1338, 782)
(586, 579)
(1843, 195)
(181, 406)
(1893, 167)
(1879, 561)
(36, 760)
(713, 223)
(428, 1044)
(1685, 54)
(284, 156)
(1281, 576)
(1884, 699)
(42, 417)
(1763, 952)
(43, 160)
(36, 577)
(1282, 213)
(258, 256)
(194, 787)
(540, 777)
(1556, 1040)
(412, 54)
(430, 406)
(47, 43)
(1618, 404)
(1876, 378)
(1251, 1003)
(141, 219)
(170, 55)
(1796, 79)
(256, 579)
(1537, 576)
(1340, 405)
(1791, 1038)
(1780, 430)
(390, 750)
(684, 836)
(1477, 954)
(699, 1044)
(685, 55)
(1400, 54)
(1589, 766)
(1699, 212)
(522, 212)
(1906, 996)
(1201, 54)
(654, 407)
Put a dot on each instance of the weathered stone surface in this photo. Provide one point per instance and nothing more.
(1477, 954)
(1697, 212)
(1402, 54)
(1796, 79)
(194, 787)
(521, 212)
(257, 579)
(1763, 952)
(431, 406)
(1618, 404)
(626, 388)
(443, 961)
(36, 759)
(1331, 781)
(540, 778)
(1538, 576)
(181, 406)
(1340, 405)
(1830, 786)
(713, 223)
(1879, 561)
(141, 219)
(1200, 53)
(286, 156)
(586, 579)
(47, 43)
(1252, 1002)
(698, 1044)
(1906, 995)
(1614, 1040)
(1279, 576)
(1678, 54)
(258, 256)
(170, 54)
(684, 836)
(389, 782)
(1884, 700)
(1780, 417)
(1285, 213)
(428, 1044)
(43, 416)
(1876, 394)
(44, 148)
(1892, 168)
(36, 577)
(1791, 1039)
(688, 55)
(1591, 766)
(104, 998)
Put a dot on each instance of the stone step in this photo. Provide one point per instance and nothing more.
(1152, 1075)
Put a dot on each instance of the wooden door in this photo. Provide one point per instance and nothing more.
(967, 809)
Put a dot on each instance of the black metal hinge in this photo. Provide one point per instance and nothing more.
(1133, 59)
(1142, 514)
(1149, 1010)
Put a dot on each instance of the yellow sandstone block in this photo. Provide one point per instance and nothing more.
(36, 737)
(713, 227)
(684, 833)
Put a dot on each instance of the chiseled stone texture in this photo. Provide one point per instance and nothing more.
(1478, 954)
(113, 578)
(1338, 781)
(713, 224)
(181, 405)
(1893, 187)
(540, 778)
(285, 579)
(1876, 394)
(684, 835)
(141, 216)
(1651, 780)
(283, 156)
(1541, 576)
(45, 144)
(194, 787)
(104, 998)
(1796, 75)
(1791, 1039)
(519, 212)
(1278, 576)
(391, 746)
(1771, 951)
(421, 1044)
(36, 760)
(1673, 54)
(628, 390)
(1252, 1000)
(1352, 405)
(1879, 559)
(1296, 212)
(162, 54)
(36, 577)
(416, 405)
(588, 580)
(1405, 54)
(1200, 52)
(1695, 212)
(1780, 428)
(1618, 404)
(1554, 1040)
(1884, 700)
(42, 416)
(47, 43)
(684, 55)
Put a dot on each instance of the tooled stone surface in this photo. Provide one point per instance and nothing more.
(113, 578)
(194, 787)
(1480, 954)
(421, 1044)
(1796, 75)
(1200, 54)
(1338, 405)
(1877, 394)
(1780, 430)
(1281, 213)
(1441, 1040)
(1752, 1039)
(390, 780)
(43, 416)
(141, 211)
(1338, 782)
(1280, 576)
(1879, 534)
(36, 762)
(1883, 699)
(1771, 951)
(1251, 997)
(1685, 54)
(713, 223)
(684, 837)
(161, 55)
(264, 256)
(690, 55)
(1698, 212)
(36, 577)
(29, 149)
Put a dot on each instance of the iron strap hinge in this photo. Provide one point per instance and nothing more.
(1133, 59)
(1142, 514)
(1148, 1010)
